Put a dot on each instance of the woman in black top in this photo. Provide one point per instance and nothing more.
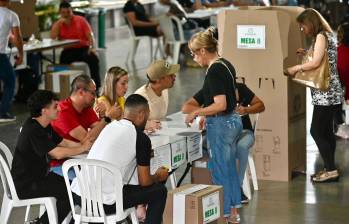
(216, 101)
(137, 17)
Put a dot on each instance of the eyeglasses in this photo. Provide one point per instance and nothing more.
(193, 53)
(93, 92)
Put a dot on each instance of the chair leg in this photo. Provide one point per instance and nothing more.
(51, 211)
(27, 211)
(134, 44)
(246, 186)
(151, 49)
(253, 172)
(161, 47)
(173, 180)
(176, 49)
(6, 209)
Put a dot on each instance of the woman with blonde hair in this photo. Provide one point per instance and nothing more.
(326, 103)
(112, 93)
(216, 101)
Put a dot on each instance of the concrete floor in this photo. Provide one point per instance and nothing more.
(298, 201)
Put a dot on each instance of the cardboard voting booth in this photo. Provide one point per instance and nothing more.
(260, 42)
(59, 82)
(29, 22)
(194, 204)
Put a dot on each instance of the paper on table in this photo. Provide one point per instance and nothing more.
(162, 157)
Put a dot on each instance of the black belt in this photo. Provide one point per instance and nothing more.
(224, 113)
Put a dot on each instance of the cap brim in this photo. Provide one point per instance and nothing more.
(174, 69)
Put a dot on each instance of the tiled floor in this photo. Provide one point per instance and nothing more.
(298, 201)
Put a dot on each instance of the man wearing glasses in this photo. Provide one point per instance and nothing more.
(77, 121)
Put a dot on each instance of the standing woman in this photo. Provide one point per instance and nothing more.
(216, 101)
(113, 93)
(326, 103)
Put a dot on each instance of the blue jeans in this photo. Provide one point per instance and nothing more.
(222, 134)
(8, 77)
(59, 171)
(244, 143)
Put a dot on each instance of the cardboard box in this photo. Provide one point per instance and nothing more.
(268, 38)
(194, 204)
(59, 82)
(200, 174)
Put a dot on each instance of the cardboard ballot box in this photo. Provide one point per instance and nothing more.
(200, 174)
(260, 42)
(59, 82)
(194, 204)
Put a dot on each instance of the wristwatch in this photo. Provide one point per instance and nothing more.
(107, 119)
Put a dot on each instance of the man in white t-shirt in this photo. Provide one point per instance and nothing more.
(161, 76)
(124, 144)
(9, 29)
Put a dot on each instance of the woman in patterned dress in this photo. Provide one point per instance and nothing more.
(326, 103)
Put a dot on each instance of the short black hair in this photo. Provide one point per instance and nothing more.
(39, 100)
(135, 101)
(64, 5)
(80, 82)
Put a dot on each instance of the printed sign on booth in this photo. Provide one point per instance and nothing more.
(250, 36)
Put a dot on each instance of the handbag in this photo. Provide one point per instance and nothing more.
(318, 78)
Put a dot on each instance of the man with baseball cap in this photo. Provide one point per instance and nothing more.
(161, 76)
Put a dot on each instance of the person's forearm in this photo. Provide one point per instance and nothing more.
(139, 23)
(55, 31)
(65, 152)
(69, 143)
(91, 40)
(210, 110)
(188, 108)
(255, 108)
(94, 132)
(19, 45)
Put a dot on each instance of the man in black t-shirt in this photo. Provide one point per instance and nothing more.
(124, 144)
(137, 17)
(37, 144)
(248, 103)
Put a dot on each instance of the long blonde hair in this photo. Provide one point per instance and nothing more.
(314, 21)
(206, 39)
(111, 78)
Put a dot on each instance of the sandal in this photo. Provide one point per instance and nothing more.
(235, 219)
(326, 176)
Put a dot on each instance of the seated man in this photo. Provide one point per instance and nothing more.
(71, 26)
(77, 121)
(248, 103)
(37, 144)
(137, 17)
(161, 76)
(124, 144)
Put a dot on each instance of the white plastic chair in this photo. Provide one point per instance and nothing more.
(167, 26)
(134, 41)
(11, 200)
(89, 179)
(251, 169)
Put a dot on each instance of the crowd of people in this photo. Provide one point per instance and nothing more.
(97, 117)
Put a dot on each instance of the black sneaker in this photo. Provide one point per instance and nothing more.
(244, 198)
(7, 118)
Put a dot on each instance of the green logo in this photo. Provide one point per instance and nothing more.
(210, 212)
(248, 40)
